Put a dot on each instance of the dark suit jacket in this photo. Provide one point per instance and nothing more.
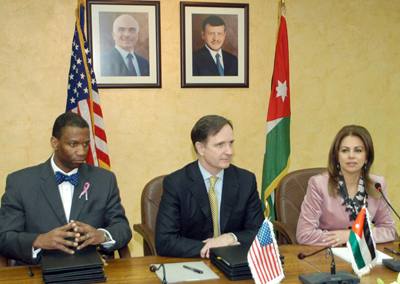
(32, 205)
(204, 64)
(112, 64)
(184, 217)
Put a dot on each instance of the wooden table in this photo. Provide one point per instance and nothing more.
(136, 270)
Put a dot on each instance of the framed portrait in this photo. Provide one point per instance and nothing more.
(124, 38)
(214, 45)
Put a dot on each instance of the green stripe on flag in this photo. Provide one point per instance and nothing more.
(355, 247)
(276, 159)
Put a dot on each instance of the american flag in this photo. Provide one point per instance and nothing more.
(83, 97)
(263, 256)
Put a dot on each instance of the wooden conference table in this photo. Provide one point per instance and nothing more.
(136, 269)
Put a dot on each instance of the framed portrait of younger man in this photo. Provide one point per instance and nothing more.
(214, 44)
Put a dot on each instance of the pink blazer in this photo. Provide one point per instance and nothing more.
(320, 212)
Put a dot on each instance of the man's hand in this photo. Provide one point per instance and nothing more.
(220, 241)
(57, 239)
(87, 235)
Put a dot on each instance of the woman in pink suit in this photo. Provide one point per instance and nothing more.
(334, 198)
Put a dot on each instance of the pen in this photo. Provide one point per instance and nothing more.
(391, 250)
(193, 269)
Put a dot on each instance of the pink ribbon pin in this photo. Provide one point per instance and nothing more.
(85, 190)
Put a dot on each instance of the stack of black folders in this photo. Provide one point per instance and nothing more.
(232, 261)
(85, 266)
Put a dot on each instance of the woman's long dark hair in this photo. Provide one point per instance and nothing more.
(333, 159)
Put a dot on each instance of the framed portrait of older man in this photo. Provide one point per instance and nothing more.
(124, 37)
(214, 45)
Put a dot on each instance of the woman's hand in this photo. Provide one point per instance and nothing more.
(336, 238)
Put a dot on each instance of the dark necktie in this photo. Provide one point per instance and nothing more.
(219, 65)
(131, 67)
(72, 179)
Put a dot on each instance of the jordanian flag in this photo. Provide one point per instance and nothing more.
(361, 244)
(277, 148)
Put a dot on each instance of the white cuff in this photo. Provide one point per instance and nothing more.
(35, 252)
(109, 243)
(234, 237)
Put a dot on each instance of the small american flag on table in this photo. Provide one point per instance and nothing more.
(263, 256)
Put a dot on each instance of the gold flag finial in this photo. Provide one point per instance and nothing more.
(283, 8)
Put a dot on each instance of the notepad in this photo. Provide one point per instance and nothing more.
(344, 253)
(175, 272)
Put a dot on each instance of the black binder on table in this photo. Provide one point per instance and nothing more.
(85, 266)
(232, 261)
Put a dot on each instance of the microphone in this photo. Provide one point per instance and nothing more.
(303, 256)
(393, 264)
(324, 277)
(379, 188)
(154, 268)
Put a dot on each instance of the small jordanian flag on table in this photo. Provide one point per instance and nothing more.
(361, 244)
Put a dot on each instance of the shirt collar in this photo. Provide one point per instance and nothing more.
(57, 169)
(206, 175)
(213, 52)
(123, 52)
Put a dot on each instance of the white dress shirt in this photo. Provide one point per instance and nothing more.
(214, 53)
(124, 55)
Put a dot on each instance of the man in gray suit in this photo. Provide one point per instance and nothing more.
(122, 59)
(62, 204)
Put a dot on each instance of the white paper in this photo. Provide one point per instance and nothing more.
(344, 254)
(175, 272)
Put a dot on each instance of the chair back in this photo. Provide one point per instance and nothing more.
(150, 201)
(288, 199)
(3, 261)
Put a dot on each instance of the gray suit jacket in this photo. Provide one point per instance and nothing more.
(184, 217)
(32, 205)
(112, 64)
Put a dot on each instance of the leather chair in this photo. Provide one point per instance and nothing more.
(3, 261)
(124, 252)
(289, 196)
(150, 201)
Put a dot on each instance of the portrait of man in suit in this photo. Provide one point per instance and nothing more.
(62, 204)
(123, 59)
(211, 59)
(209, 202)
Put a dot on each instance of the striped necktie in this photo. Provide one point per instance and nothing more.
(219, 65)
(214, 205)
(131, 67)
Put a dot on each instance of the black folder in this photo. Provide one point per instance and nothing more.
(232, 261)
(85, 266)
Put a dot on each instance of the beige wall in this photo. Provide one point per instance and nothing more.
(344, 63)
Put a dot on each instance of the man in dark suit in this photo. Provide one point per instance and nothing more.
(210, 202)
(211, 59)
(62, 204)
(122, 60)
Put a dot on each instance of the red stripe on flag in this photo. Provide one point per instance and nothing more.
(103, 156)
(255, 253)
(99, 132)
(89, 157)
(97, 109)
(264, 261)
